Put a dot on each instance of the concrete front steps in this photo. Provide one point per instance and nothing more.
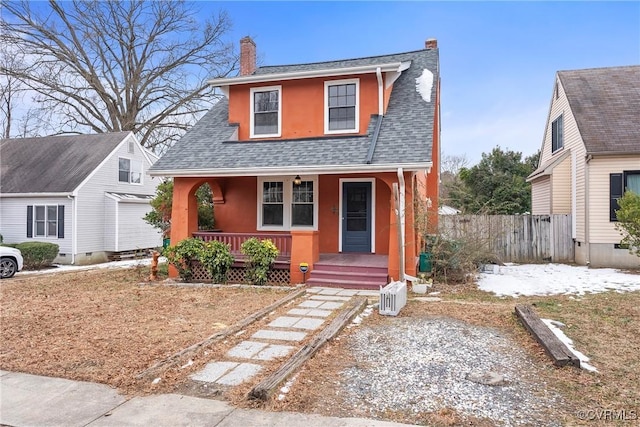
(331, 275)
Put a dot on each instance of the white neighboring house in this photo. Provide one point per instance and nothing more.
(86, 193)
(590, 156)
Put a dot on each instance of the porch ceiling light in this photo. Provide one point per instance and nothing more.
(297, 180)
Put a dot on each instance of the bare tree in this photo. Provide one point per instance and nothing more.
(110, 66)
(450, 166)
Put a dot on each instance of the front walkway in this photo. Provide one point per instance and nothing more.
(279, 338)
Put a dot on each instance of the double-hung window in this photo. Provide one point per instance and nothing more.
(285, 205)
(618, 184)
(557, 134)
(341, 106)
(129, 171)
(266, 112)
(45, 221)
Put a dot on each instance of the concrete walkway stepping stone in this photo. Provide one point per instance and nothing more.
(330, 305)
(329, 298)
(239, 374)
(310, 304)
(330, 291)
(266, 334)
(246, 349)
(348, 292)
(314, 290)
(284, 322)
(296, 323)
(309, 312)
(213, 371)
(273, 351)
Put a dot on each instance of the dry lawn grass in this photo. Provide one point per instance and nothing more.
(105, 326)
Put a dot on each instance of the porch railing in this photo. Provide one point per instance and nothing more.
(235, 240)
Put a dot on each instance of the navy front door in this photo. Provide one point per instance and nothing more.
(356, 217)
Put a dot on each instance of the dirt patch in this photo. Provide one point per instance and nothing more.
(105, 326)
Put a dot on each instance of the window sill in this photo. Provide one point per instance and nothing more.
(341, 131)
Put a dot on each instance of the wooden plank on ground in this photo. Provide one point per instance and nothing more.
(555, 348)
(175, 358)
(265, 389)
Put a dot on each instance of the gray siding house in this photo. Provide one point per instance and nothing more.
(86, 193)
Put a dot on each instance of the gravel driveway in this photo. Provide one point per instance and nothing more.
(427, 364)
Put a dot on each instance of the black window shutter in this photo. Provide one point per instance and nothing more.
(29, 221)
(60, 222)
(615, 192)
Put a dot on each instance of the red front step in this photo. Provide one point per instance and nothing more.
(349, 277)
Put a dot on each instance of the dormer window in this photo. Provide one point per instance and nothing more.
(341, 106)
(266, 112)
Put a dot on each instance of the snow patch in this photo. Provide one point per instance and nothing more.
(553, 325)
(548, 279)
(60, 268)
(424, 84)
(285, 389)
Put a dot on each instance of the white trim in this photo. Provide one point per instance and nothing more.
(117, 227)
(74, 228)
(294, 170)
(287, 202)
(327, 72)
(330, 83)
(574, 187)
(380, 92)
(252, 91)
(373, 210)
(26, 195)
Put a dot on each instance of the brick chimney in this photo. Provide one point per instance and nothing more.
(431, 44)
(247, 56)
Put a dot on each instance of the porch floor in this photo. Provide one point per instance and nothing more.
(355, 260)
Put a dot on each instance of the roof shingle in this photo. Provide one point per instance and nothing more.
(52, 164)
(606, 106)
(406, 134)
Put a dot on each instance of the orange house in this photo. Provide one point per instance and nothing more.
(328, 159)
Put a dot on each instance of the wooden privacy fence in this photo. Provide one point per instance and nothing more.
(515, 238)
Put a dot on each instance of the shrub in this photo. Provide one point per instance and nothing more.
(260, 257)
(629, 221)
(217, 259)
(182, 256)
(37, 254)
(456, 260)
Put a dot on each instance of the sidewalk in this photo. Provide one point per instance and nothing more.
(31, 400)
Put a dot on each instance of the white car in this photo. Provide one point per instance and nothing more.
(10, 261)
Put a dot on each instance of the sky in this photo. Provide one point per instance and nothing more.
(498, 59)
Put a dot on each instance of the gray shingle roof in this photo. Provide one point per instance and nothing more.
(406, 135)
(52, 164)
(606, 105)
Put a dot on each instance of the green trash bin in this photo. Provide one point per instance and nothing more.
(166, 243)
(425, 262)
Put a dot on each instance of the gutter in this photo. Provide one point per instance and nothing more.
(292, 170)
(327, 72)
(25, 195)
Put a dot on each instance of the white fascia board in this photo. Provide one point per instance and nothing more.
(262, 78)
(26, 195)
(295, 170)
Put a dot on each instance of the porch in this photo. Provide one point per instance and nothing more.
(346, 270)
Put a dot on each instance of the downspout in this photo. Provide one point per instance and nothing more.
(401, 210)
(376, 131)
(74, 227)
(586, 209)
